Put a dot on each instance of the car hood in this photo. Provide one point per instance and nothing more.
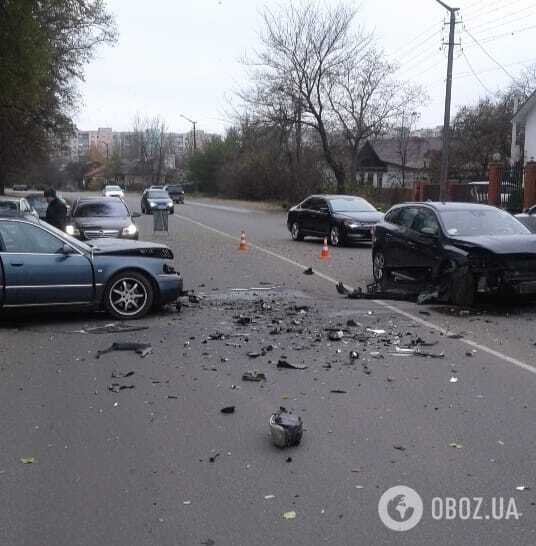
(501, 244)
(127, 247)
(102, 222)
(372, 217)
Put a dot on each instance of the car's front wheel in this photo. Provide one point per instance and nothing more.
(295, 232)
(129, 295)
(378, 265)
(335, 237)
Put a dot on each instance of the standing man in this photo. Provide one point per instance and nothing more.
(56, 211)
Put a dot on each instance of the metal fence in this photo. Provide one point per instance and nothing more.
(511, 188)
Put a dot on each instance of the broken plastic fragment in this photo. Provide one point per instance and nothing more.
(27, 460)
(287, 365)
(455, 445)
(289, 515)
(522, 488)
(453, 380)
(143, 349)
(253, 376)
(336, 335)
(285, 428)
(378, 332)
(228, 409)
(308, 271)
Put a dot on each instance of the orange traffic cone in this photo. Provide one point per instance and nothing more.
(324, 255)
(243, 245)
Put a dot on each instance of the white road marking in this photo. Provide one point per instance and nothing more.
(393, 308)
(222, 207)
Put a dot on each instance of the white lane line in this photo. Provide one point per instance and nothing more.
(393, 308)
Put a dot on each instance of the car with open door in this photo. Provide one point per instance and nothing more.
(340, 218)
(477, 248)
(42, 267)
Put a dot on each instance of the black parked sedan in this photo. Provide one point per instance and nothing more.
(477, 248)
(156, 200)
(341, 218)
(98, 217)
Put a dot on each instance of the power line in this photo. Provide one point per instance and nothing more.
(489, 55)
(475, 74)
(505, 34)
(504, 20)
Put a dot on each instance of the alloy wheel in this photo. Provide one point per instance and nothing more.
(378, 264)
(295, 231)
(127, 296)
(334, 236)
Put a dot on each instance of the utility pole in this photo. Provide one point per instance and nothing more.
(514, 148)
(194, 124)
(444, 176)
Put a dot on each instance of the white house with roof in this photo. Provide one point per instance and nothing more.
(526, 117)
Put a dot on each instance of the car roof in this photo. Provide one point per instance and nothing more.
(335, 196)
(17, 215)
(447, 205)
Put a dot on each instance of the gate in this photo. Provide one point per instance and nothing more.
(511, 188)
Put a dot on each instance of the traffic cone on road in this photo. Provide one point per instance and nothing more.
(324, 255)
(243, 245)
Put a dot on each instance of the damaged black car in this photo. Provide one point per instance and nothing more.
(461, 248)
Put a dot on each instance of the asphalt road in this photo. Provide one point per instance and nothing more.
(134, 467)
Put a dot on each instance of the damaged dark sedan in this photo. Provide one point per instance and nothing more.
(462, 248)
(41, 266)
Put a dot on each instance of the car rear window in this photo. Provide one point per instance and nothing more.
(8, 206)
(350, 204)
(101, 210)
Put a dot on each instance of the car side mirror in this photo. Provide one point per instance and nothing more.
(136, 215)
(325, 210)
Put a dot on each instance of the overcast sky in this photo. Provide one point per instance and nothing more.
(183, 56)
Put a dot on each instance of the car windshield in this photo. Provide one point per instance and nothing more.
(350, 204)
(477, 222)
(158, 194)
(115, 209)
(174, 188)
(113, 188)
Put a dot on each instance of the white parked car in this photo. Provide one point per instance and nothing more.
(113, 191)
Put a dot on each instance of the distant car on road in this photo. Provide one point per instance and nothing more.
(16, 205)
(176, 192)
(152, 200)
(113, 191)
(424, 242)
(154, 188)
(20, 187)
(341, 218)
(98, 217)
(43, 267)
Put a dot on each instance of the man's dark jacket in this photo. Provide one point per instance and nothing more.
(57, 214)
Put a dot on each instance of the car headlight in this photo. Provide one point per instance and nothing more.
(71, 230)
(170, 203)
(130, 230)
(351, 225)
(152, 204)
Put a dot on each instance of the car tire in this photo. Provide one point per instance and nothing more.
(335, 237)
(378, 265)
(296, 232)
(138, 290)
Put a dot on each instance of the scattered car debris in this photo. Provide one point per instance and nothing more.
(253, 376)
(308, 271)
(378, 332)
(268, 497)
(336, 335)
(453, 380)
(116, 387)
(254, 354)
(213, 457)
(456, 445)
(338, 391)
(285, 428)
(287, 365)
(113, 328)
(522, 488)
(27, 460)
(228, 409)
(143, 349)
(354, 355)
(289, 515)
(118, 375)
(399, 448)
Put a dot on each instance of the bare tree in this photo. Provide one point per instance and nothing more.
(405, 122)
(317, 69)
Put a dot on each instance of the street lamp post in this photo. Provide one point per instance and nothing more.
(194, 124)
